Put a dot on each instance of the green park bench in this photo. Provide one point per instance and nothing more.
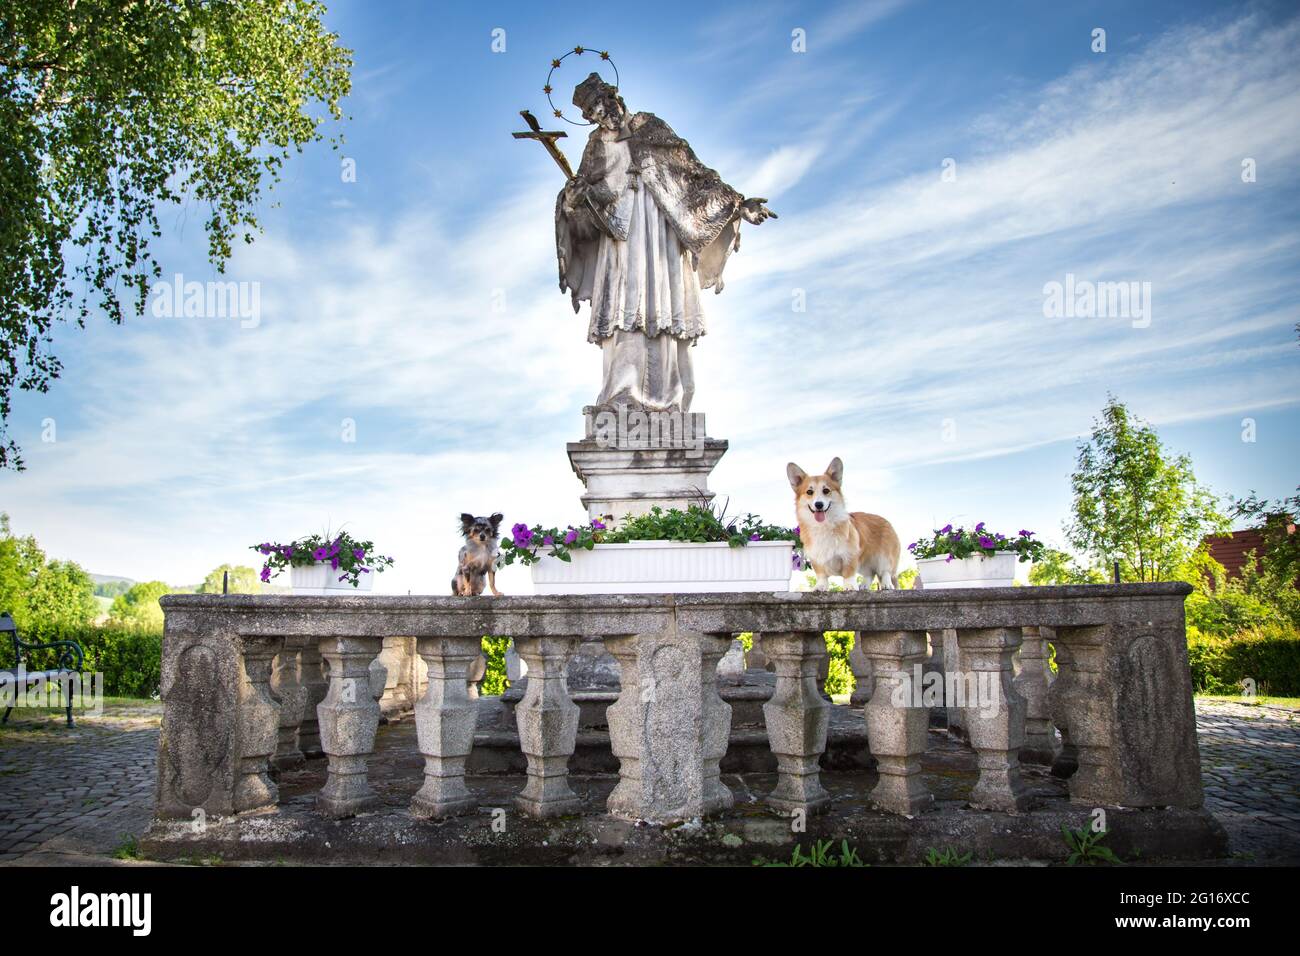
(68, 660)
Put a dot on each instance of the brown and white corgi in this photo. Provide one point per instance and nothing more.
(837, 542)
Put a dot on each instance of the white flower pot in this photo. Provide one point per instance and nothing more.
(653, 567)
(977, 571)
(322, 579)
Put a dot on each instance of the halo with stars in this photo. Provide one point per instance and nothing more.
(555, 65)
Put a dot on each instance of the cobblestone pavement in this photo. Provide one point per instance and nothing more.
(1250, 766)
(78, 795)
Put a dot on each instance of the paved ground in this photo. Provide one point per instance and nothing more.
(1250, 765)
(70, 796)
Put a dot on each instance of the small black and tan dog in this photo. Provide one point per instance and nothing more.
(478, 558)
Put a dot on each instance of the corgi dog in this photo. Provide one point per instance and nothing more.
(837, 542)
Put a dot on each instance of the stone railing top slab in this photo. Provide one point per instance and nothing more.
(597, 616)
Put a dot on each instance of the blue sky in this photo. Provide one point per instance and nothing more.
(923, 358)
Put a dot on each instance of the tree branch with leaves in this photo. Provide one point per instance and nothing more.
(113, 110)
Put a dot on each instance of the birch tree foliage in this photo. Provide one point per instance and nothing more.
(112, 111)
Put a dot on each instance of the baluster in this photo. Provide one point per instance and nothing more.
(287, 686)
(258, 723)
(1032, 682)
(995, 719)
(861, 667)
(349, 717)
(548, 726)
(444, 724)
(797, 719)
(311, 674)
(897, 722)
(1079, 701)
(953, 672)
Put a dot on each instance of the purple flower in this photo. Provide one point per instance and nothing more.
(1002, 537)
(548, 540)
(571, 537)
(980, 526)
(796, 529)
(320, 554)
(946, 529)
(597, 525)
(951, 556)
(796, 559)
(342, 577)
(754, 537)
(987, 542)
(266, 573)
(358, 554)
(334, 563)
(287, 551)
(1026, 534)
(523, 537)
(264, 549)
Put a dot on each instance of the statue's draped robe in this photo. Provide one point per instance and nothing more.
(658, 231)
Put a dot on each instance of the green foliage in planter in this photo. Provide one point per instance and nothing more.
(698, 524)
(958, 544)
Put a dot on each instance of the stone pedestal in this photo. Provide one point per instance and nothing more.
(669, 728)
(633, 459)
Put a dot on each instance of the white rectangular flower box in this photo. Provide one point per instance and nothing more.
(977, 571)
(320, 578)
(654, 567)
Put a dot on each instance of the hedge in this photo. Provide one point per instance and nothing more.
(1268, 655)
(129, 659)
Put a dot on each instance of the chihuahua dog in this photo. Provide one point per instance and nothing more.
(836, 541)
(478, 558)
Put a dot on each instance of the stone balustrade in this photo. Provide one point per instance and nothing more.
(255, 683)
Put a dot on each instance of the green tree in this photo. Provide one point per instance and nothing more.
(243, 580)
(111, 111)
(62, 599)
(1058, 567)
(138, 607)
(1134, 503)
(1277, 524)
(43, 596)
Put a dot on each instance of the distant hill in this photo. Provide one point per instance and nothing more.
(109, 578)
(109, 586)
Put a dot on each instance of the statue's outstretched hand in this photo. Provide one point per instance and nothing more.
(753, 211)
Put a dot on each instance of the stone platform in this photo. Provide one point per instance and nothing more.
(496, 834)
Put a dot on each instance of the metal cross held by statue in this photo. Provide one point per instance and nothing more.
(547, 138)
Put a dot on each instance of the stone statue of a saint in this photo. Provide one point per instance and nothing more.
(640, 231)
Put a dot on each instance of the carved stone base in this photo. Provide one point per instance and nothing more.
(633, 459)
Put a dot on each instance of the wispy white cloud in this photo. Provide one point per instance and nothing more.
(444, 338)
